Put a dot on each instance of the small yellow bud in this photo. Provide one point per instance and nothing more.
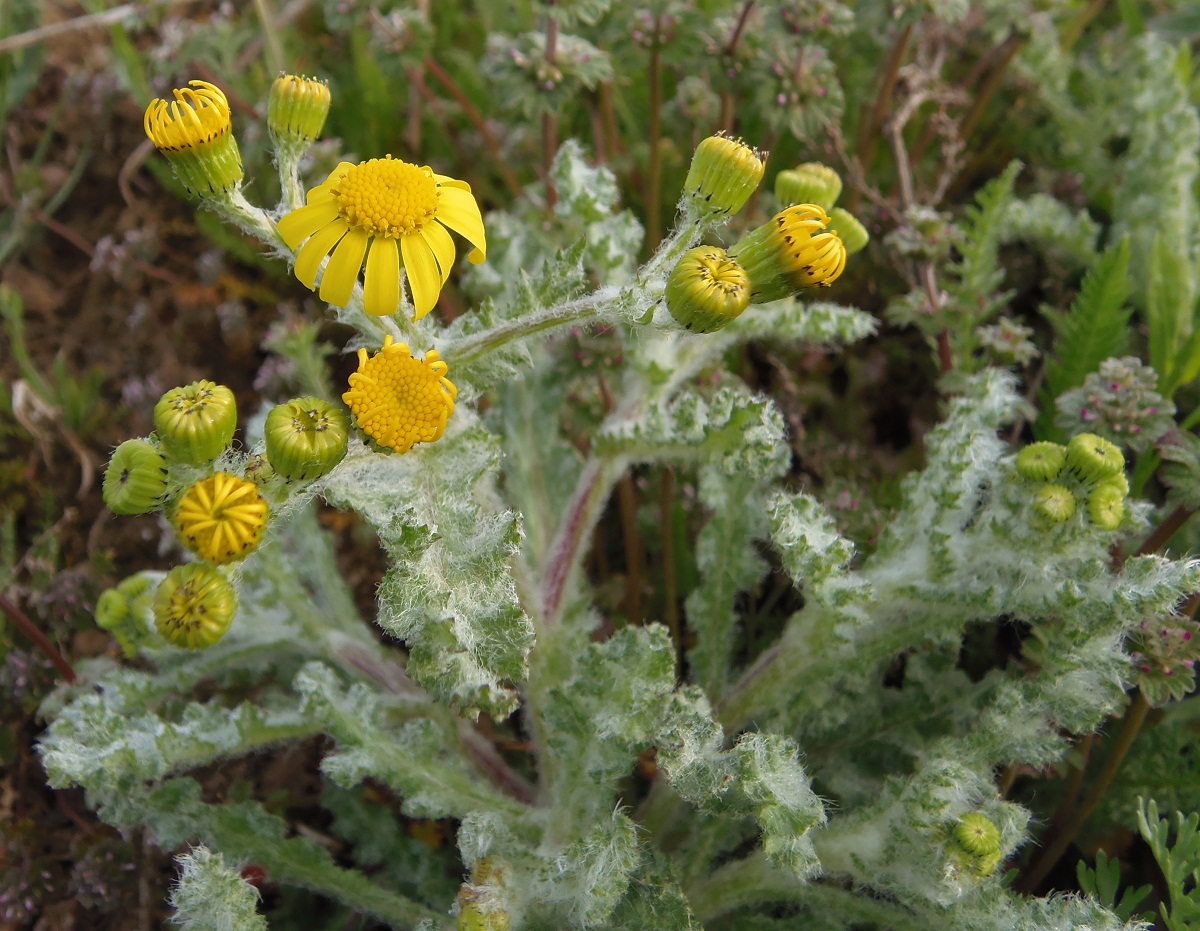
(1093, 459)
(296, 110)
(1041, 462)
(724, 173)
(306, 437)
(222, 518)
(1106, 505)
(194, 132)
(194, 606)
(707, 290)
(1054, 503)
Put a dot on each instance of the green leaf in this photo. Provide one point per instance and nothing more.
(211, 895)
(417, 759)
(1170, 296)
(1094, 329)
(977, 273)
(819, 322)
(448, 593)
(727, 562)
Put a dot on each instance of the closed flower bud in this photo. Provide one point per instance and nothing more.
(306, 437)
(135, 481)
(810, 183)
(259, 470)
(296, 110)
(707, 290)
(194, 606)
(194, 132)
(112, 609)
(791, 252)
(724, 173)
(976, 844)
(1041, 462)
(1106, 505)
(1054, 503)
(222, 518)
(196, 422)
(854, 235)
(1092, 458)
(473, 917)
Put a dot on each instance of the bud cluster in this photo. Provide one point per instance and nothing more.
(975, 844)
(800, 248)
(219, 514)
(1164, 654)
(1089, 470)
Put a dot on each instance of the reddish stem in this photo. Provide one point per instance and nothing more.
(34, 633)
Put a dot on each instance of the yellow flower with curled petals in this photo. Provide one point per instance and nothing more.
(222, 518)
(389, 213)
(194, 132)
(398, 400)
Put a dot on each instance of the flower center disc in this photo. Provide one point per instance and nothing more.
(387, 197)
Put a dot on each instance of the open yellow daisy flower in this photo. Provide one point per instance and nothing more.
(399, 401)
(388, 212)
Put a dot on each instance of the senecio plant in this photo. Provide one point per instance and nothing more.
(656, 782)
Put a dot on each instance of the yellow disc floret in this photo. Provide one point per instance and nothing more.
(387, 197)
(222, 518)
(398, 400)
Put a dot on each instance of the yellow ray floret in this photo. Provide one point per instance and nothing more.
(400, 401)
(388, 213)
(197, 116)
(222, 518)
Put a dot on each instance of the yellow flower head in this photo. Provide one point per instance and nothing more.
(400, 401)
(222, 518)
(194, 606)
(388, 212)
(794, 250)
(195, 133)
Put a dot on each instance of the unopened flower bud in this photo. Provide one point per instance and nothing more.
(194, 606)
(196, 422)
(1092, 458)
(306, 437)
(792, 251)
(1041, 462)
(977, 843)
(1054, 503)
(296, 110)
(724, 173)
(846, 225)
(194, 132)
(135, 481)
(810, 183)
(707, 290)
(222, 518)
(1106, 505)
(112, 609)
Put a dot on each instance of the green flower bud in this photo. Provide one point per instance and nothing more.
(846, 225)
(196, 422)
(724, 173)
(707, 290)
(1041, 462)
(810, 183)
(1092, 458)
(1055, 503)
(472, 917)
(977, 834)
(194, 606)
(112, 609)
(135, 481)
(259, 470)
(296, 110)
(791, 252)
(1106, 505)
(306, 438)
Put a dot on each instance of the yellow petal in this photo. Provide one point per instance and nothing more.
(302, 222)
(381, 285)
(458, 210)
(452, 182)
(308, 259)
(341, 274)
(442, 244)
(423, 275)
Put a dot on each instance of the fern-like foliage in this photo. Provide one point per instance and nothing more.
(1104, 885)
(1179, 861)
(1094, 329)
